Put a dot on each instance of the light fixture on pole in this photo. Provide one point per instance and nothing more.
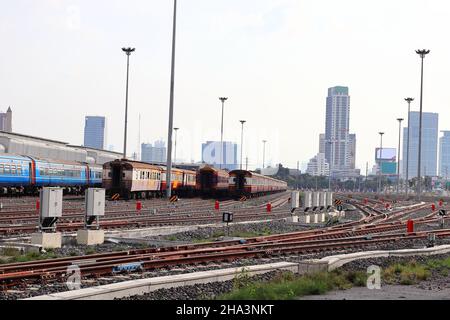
(398, 152)
(171, 102)
(380, 161)
(422, 53)
(223, 99)
(409, 100)
(128, 52)
(264, 152)
(242, 138)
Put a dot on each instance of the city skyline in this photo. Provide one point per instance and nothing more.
(273, 35)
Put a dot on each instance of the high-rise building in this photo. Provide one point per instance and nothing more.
(430, 132)
(322, 143)
(211, 155)
(352, 150)
(340, 146)
(94, 132)
(318, 166)
(444, 155)
(6, 120)
(154, 154)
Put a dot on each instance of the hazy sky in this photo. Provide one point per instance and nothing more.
(274, 59)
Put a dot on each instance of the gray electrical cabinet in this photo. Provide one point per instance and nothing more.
(307, 200)
(315, 199)
(322, 199)
(329, 199)
(51, 202)
(295, 199)
(95, 202)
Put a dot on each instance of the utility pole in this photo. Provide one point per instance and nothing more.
(398, 152)
(128, 52)
(222, 99)
(422, 53)
(172, 89)
(409, 100)
(380, 161)
(242, 138)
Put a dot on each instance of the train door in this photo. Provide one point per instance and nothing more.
(240, 182)
(116, 173)
(32, 172)
(206, 181)
(88, 176)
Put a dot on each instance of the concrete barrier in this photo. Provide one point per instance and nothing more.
(142, 286)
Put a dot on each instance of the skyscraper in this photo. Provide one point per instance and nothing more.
(94, 132)
(322, 143)
(430, 133)
(154, 154)
(6, 120)
(339, 148)
(444, 154)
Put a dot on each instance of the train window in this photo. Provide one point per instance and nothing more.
(7, 169)
(123, 174)
(1, 168)
(13, 169)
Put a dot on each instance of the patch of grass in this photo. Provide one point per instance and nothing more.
(406, 273)
(287, 286)
(31, 256)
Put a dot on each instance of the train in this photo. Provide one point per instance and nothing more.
(26, 175)
(128, 179)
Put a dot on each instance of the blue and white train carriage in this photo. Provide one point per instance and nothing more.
(21, 174)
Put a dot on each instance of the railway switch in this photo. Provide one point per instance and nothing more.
(50, 209)
(95, 208)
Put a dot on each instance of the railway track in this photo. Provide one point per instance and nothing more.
(373, 228)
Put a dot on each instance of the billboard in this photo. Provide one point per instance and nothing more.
(387, 154)
(388, 168)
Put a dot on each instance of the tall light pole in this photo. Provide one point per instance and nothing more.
(242, 138)
(172, 88)
(264, 152)
(409, 100)
(381, 157)
(223, 99)
(398, 152)
(175, 153)
(422, 54)
(128, 52)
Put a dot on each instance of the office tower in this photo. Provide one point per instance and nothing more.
(154, 154)
(444, 154)
(94, 132)
(318, 166)
(430, 133)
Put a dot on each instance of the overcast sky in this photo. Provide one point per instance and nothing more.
(274, 59)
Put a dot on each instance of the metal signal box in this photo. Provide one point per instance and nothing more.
(329, 199)
(307, 200)
(295, 199)
(51, 202)
(95, 202)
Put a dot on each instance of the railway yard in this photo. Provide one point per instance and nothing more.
(149, 240)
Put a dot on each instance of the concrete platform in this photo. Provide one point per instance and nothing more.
(141, 286)
(46, 240)
(90, 237)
